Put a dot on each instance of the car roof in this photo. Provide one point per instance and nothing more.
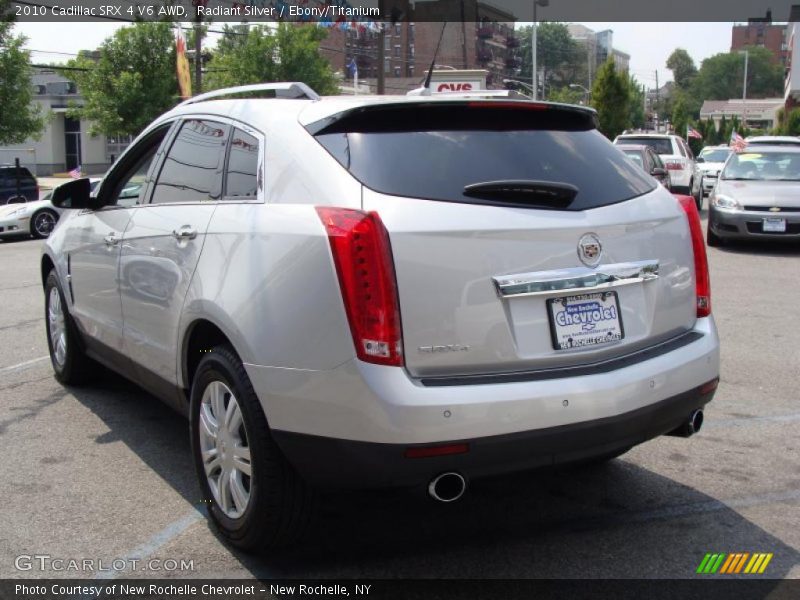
(646, 135)
(779, 139)
(767, 149)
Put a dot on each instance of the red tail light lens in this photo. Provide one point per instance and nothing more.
(702, 277)
(363, 258)
(673, 165)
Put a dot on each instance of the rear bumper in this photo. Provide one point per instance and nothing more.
(748, 224)
(336, 463)
(381, 410)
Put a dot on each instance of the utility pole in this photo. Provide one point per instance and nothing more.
(198, 49)
(656, 107)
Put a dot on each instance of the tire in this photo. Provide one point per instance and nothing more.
(278, 505)
(712, 239)
(698, 199)
(67, 354)
(42, 223)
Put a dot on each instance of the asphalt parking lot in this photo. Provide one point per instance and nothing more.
(104, 472)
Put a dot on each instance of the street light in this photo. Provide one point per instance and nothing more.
(517, 82)
(586, 91)
(534, 77)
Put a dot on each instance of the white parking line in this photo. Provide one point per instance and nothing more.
(24, 365)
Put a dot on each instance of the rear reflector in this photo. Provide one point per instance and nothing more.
(709, 386)
(425, 451)
(363, 258)
(702, 278)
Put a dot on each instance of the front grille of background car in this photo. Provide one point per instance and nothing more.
(771, 209)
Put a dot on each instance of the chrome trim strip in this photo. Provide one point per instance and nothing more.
(582, 279)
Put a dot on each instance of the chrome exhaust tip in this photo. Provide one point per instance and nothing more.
(447, 487)
(689, 427)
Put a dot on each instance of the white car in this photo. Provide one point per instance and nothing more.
(37, 218)
(678, 159)
(709, 163)
(28, 218)
(383, 291)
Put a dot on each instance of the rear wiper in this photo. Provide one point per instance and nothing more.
(548, 194)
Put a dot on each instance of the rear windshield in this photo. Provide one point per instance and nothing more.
(715, 155)
(769, 166)
(435, 159)
(635, 156)
(659, 145)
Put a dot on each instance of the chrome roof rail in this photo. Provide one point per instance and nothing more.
(288, 90)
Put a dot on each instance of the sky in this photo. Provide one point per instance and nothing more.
(649, 44)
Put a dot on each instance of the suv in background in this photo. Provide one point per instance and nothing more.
(11, 190)
(678, 159)
(383, 291)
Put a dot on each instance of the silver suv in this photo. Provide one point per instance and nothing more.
(383, 292)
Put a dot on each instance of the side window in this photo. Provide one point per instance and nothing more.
(242, 171)
(128, 179)
(192, 169)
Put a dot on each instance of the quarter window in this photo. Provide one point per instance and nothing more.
(241, 176)
(193, 166)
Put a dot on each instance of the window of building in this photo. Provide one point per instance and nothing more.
(388, 45)
(397, 51)
(398, 29)
(387, 66)
(397, 71)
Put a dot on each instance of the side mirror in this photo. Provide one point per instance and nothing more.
(700, 159)
(74, 194)
(658, 172)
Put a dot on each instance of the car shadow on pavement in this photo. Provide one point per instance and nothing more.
(614, 520)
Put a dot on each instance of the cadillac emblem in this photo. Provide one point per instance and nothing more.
(590, 250)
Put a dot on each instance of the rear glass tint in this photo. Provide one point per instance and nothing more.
(435, 158)
(659, 145)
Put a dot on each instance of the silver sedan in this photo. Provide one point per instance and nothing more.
(757, 196)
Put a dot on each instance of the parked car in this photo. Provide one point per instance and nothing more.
(709, 163)
(757, 196)
(378, 291)
(678, 159)
(17, 185)
(772, 140)
(646, 158)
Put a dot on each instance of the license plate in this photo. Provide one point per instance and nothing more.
(774, 225)
(585, 320)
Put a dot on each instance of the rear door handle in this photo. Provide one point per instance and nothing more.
(112, 239)
(187, 232)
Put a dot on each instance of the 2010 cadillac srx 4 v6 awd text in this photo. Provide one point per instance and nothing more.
(383, 292)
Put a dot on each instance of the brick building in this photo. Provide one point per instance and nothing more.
(764, 33)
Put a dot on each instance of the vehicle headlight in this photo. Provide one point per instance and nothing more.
(722, 201)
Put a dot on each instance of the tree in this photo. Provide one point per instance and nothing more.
(680, 114)
(682, 67)
(611, 98)
(636, 95)
(559, 58)
(20, 117)
(567, 95)
(132, 82)
(259, 54)
(721, 76)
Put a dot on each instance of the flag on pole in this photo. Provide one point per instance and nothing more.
(76, 172)
(737, 142)
(691, 132)
(182, 65)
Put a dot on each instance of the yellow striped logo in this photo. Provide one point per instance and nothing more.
(735, 563)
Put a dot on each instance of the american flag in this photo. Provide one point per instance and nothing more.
(691, 132)
(76, 172)
(737, 142)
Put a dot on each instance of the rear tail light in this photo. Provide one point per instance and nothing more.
(363, 258)
(703, 280)
(674, 165)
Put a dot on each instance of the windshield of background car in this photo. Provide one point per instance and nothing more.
(659, 145)
(716, 155)
(767, 166)
(432, 152)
